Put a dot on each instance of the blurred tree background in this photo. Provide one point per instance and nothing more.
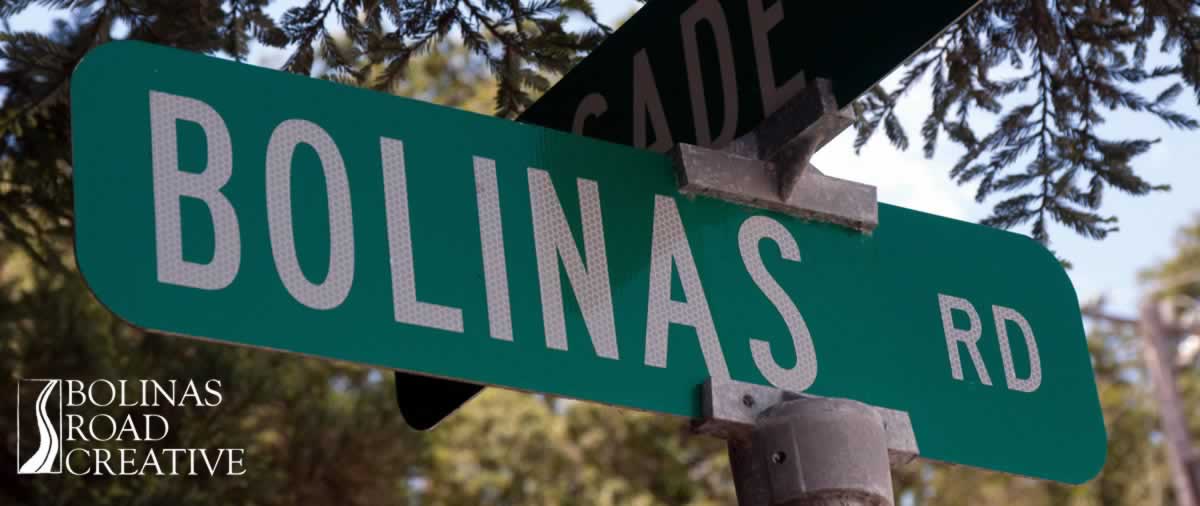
(318, 432)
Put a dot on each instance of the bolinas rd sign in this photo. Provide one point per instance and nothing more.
(248, 206)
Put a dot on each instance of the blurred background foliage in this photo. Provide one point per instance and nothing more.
(318, 432)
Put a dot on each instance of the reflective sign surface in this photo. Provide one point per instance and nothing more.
(248, 206)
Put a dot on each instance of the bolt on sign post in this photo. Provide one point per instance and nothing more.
(243, 205)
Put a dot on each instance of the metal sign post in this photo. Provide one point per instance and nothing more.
(788, 448)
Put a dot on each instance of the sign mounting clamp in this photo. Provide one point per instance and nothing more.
(769, 167)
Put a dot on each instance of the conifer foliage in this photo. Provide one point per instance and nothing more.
(1050, 71)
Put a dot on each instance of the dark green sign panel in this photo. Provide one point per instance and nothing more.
(248, 206)
(706, 71)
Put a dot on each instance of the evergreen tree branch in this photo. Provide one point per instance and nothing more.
(1080, 52)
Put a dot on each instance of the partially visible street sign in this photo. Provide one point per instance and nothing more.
(247, 206)
(707, 71)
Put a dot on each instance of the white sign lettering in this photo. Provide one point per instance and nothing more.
(558, 250)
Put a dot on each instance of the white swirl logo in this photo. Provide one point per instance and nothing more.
(48, 457)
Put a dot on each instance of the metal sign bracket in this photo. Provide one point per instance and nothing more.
(792, 448)
(770, 167)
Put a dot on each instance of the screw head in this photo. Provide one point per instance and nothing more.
(778, 457)
(748, 401)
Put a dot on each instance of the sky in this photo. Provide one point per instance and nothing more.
(1105, 268)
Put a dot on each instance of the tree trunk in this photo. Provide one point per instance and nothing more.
(1161, 366)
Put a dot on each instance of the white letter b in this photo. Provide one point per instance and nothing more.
(171, 183)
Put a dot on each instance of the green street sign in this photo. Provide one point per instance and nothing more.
(247, 206)
(707, 71)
